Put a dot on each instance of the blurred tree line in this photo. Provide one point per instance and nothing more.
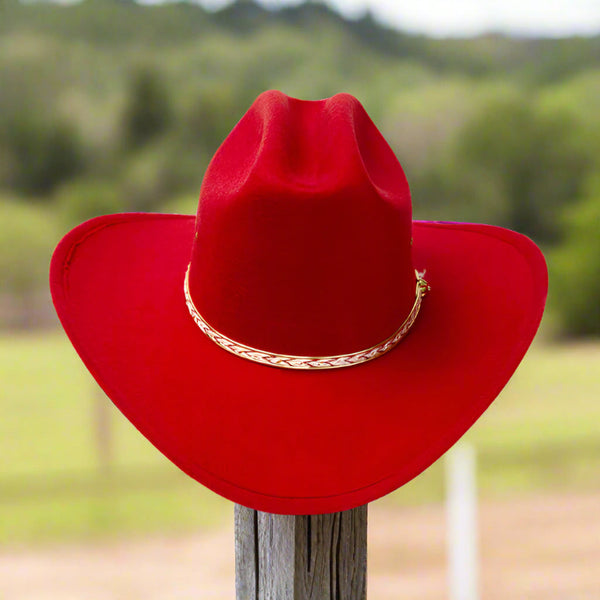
(109, 106)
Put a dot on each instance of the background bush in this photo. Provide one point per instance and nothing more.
(115, 106)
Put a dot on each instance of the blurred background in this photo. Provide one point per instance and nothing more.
(111, 106)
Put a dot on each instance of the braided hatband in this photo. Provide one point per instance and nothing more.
(288, 361)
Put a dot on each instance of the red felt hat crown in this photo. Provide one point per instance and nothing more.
(303, 232)
(302, 250)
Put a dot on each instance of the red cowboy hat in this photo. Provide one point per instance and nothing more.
(300, 365)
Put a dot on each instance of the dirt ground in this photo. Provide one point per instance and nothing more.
(540, 547)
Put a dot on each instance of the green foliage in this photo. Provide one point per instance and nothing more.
(113, 105)
(209, 118)
(575, 266)
(110, 23)
(186, 204)
(27, 237)
(147, 111)
(81, 200)
(446, 192)
(159, 171)
(39, 153)
(531, 158)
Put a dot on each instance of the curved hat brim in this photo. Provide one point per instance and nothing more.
(285, 441)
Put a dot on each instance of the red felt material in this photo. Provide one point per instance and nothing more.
(306, 249)
(302, 195)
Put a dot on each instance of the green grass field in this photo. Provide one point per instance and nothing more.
(542, 433)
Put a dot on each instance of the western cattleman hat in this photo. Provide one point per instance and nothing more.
(301, 345)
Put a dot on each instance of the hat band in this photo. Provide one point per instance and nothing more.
(290, 361)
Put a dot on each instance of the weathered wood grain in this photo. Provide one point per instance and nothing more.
(303, 557)
(246, 553)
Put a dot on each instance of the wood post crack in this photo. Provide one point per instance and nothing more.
(304, 557)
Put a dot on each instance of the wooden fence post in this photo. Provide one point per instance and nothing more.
(300, 557)
(103, 431)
